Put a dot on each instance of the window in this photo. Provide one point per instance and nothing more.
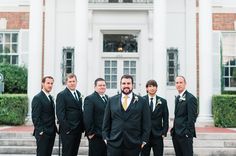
(172, 66)
(68, 62)
(111, 74)
(9, 47)
(229, 60)
(120, 43)
(129, 67)
(113, 1)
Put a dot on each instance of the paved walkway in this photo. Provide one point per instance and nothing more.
(25, 128)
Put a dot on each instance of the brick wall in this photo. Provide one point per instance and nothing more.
(16, 20)
(223, 21)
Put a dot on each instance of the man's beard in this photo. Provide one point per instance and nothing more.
(126, 93)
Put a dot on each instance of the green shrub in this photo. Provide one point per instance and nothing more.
(14, 108)
(224, 110)
(15, 78)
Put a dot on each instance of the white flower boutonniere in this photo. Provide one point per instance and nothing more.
(158, 102)
(81, 96)
(135, 99)
(182, 98)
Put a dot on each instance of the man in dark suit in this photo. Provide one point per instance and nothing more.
(183, 129)
(94, 107)
(70, 116)
(159, 120)
(127, 123)
(43, 117)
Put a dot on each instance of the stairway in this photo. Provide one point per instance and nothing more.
(206, 144)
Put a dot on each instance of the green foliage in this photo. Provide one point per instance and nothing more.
(224, 110)
(15, 78)
(14, 108)
(229, 92)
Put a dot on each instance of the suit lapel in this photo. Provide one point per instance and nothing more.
(178, 102)
(46, 100)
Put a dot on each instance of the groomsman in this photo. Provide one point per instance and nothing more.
(127, 123)
(94, 107)
(183, 129)
(43, 117)
(70, 116)
(159, 120)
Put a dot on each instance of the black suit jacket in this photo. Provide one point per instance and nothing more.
(126, 128)
(159, 117)
(185, 116)
(69, 112)
(43, 115)
(94, 108)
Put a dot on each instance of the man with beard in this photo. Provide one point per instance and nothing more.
(43, 117)
(127, 123)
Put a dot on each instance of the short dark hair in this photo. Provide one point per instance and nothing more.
(126, 76)
(151, 82)
(181, 77)
(98, 79)
(46, 77)
(70, 75)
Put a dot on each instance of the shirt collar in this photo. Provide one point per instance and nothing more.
(130, 95)
(181, 94)
(149, 97)
(46, 93)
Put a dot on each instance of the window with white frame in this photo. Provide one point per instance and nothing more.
(68, 62)
(172, 65)
(110, 67)
(129, 67)
(9, 47)
(229, 60)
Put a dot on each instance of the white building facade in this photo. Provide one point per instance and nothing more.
(149, 39)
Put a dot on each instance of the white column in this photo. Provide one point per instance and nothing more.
(81, 39)
(205, 62)
(49, 38)
(190, 44)
(159, 43)
(35, 50)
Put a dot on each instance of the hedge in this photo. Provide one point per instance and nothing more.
(14, 108)
(224, 110)
(15, 78)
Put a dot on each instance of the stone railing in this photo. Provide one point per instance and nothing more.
(120, 1)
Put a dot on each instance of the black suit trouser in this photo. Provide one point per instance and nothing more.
(123, 151)
(183, 145)
(70, 144)
(45, 144)
(157, 146)
(97, 147)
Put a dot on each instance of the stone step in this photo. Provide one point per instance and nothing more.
(32, 150)
(83, 151)
(206, 144)
(201, 136)
(84, 143)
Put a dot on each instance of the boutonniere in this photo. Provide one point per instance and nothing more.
(81, 96)
(135, 99)
(158, 102)
(182, 98)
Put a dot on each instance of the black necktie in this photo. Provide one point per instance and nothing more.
(151, 104)
(76, 96)
(177, 98)
(50, 97)
(104, 99)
